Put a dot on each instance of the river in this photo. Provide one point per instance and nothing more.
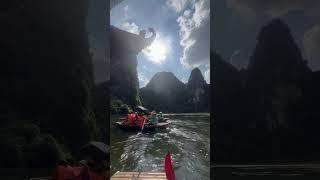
(187, 139)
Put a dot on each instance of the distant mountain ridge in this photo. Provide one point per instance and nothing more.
(165, 92)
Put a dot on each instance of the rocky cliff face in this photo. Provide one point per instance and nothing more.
(124, 79)
(166, 93)
(275, 76)
(47, 71)
(266, 112)
(123, 67)
(102, 111)
(228, 108)
(198, 91)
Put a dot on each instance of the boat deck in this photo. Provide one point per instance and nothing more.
(139, 176)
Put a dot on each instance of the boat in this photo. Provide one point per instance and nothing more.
(127, 175)
(131, 122)
(147, 126)
(168, 173)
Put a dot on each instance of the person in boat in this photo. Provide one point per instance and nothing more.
(153, 118)
(160, 116)
(131, 118)
(139, 119)
(92, 166)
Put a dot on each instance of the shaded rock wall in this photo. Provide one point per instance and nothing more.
(275, 77)
(123, 70)
(267, 112)
(198, 91)
(46, 69)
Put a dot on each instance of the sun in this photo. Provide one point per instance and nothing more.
(158, 50)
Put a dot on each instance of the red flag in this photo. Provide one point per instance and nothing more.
(168, 167)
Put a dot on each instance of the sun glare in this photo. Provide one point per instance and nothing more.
(158, 50)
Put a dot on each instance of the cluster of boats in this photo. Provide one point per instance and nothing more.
(142, 120)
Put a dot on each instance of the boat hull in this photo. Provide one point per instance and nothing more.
(147, 127)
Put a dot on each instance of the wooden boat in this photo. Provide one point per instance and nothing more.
(139, 175)
(168, 174)
(147, 126)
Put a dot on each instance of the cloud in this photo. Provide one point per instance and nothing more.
(130, 27)
(143, 81)
(207, 74)
(311, 44)
(184, 79)
(250, 9)
(194, 25)
(177, 5)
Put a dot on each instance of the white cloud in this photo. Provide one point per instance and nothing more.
(143, 81)
(130, 27)
(195, 34)
(311, 44)
(177, 5)
(184, 80)
(126, 24)
(207, 74)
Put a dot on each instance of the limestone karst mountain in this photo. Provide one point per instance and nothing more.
(275, 77)
(198, 91)
(267, 112)
(166, 93)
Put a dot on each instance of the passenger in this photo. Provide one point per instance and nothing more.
(135, 118)
(153, 118)
(140, 119)
(131, 118)
(160, 116)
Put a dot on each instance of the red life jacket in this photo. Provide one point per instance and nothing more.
(140, 121)
(76, 173)
(131, 118)
(68, 172)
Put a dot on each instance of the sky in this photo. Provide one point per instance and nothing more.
(234, 28)
(236, 24)
(183, 35)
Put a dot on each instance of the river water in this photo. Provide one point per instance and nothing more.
(187, 139)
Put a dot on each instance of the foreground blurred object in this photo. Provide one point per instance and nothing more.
(168, 174)
(92, 166)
